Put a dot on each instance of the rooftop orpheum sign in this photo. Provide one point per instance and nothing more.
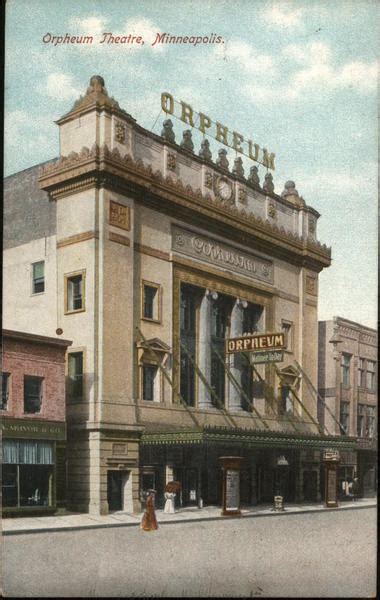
(219, 132)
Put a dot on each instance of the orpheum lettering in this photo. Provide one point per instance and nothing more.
(222, 255)
(255, 343)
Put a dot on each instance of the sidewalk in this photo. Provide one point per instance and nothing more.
(71, 521)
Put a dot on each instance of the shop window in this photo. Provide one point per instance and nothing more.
(370, 424)
(361, 420)
(370, 375)
(27, 473)
(5, 379)
(345, 368)
(75, 375)
(75, 292)
(38, 277)
(150, 383)
(32, 394)
(287, 329)
(151, 301)
(344, 417)
(361, 373)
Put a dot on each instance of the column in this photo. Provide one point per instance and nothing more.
(204, 348)
(236, 361)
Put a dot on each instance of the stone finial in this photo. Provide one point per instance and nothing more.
(238, 167)
(254, 176)
(289, 189)
(96, 85)
(268, 184)
(187, 142)
(222, 160)
(205, 150)
(167, 131)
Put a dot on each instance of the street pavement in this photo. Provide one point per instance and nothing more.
(16, 526)
(329, 553)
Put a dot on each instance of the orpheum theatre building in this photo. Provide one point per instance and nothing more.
(156, 253)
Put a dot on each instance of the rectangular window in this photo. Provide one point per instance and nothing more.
(361, 420)
(188, 328)
(370, 425)
(361, 373)
(38, 282)
(287, 328)
(75, 375)
(344, 417)
(149, 374)
(74, 293)
(27, 473)
(151, 301)
(287, 402)
(345, 367)
(5, 379)
(370, 375)
(32, 394)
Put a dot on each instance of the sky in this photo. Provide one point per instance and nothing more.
(300, 78)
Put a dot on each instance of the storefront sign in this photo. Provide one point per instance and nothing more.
(267, 357)
(331, 489)
(43, 430)
(255, 343)
(221, 255)
(331, 455)
(216, 130)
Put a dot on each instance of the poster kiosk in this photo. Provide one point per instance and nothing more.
(331, 460)
(231, 466)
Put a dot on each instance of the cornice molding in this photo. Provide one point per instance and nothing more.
(102, 167)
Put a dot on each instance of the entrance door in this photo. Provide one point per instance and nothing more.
(190, 487)
(310, 486)
(266, 485)
(114, 490)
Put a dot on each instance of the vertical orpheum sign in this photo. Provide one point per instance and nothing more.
(231, 466)
(331, 459)
(217, 130)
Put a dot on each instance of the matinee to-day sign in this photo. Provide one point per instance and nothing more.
(256, 343)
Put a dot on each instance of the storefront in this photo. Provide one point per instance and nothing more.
(33, 472)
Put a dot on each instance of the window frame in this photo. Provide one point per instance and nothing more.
(158, 287)
(68, 277)
(344, 430)
(4, 406)
(288, 333)
(69, 397)
(33, 278)
(156, 384)
(346, 369)
(41, 394)
(362, 378)
(370, 387)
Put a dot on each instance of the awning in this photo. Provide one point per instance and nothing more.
(247, 438)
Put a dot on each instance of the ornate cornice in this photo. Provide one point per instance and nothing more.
(100, 166)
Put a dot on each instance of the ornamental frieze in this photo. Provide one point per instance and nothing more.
(220, 254)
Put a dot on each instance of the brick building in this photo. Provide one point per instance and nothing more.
(33, 422)
(347, 385)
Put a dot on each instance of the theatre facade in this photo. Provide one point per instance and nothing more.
(156, 253)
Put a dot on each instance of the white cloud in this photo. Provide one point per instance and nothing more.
(89, 25)
(312, 71)
(60, 86)
(147, 29)
(283, 15)
(244, 56)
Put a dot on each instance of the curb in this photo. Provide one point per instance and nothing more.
(185, 520)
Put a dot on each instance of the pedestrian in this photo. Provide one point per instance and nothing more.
(149, 521)
(169, 504)
(355, 488)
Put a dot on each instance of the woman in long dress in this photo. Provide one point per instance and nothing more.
(149, 521)
(169, 504)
